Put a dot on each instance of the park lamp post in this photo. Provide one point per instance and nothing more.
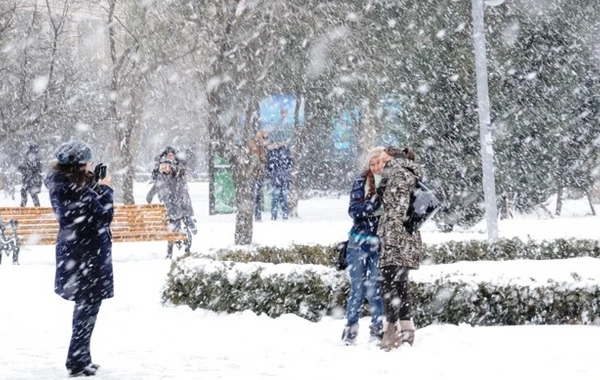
(485, 125)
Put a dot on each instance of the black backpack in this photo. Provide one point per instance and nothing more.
(341, 250)
(423, 206)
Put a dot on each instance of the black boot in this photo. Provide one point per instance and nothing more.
(83, 372)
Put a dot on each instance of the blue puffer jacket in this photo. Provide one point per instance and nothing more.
(361, 211)
(84, 270)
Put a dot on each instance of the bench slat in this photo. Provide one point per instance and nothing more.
(22, 220)
(40, 210)
(8, 216)
(54, 226)
(54, 231)
(117, 238)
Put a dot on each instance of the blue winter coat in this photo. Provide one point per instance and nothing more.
(279, 167)
(84, 270)
(361, 211)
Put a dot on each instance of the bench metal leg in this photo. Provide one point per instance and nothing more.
(15, 256)
(169, 250)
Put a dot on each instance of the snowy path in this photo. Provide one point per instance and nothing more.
(137, 338)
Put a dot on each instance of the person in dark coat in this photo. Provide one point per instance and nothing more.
(172, 190)
(84, 271)
(363, 251)
(279, 171)
(31, 173)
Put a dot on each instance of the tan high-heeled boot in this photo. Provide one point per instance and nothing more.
(391, 337)
(407, 332)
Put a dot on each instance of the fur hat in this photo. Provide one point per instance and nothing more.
(74, 152)
(373, 153)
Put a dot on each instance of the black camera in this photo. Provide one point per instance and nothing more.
(99, 172)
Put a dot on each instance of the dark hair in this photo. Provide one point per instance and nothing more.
(167, 150)
(395, 152)
(75, 173)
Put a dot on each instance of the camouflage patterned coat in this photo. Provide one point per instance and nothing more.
(398, 246)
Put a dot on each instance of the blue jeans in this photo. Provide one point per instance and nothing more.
(279, 196)
(363, 259)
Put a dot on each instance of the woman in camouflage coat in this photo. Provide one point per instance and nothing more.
(401, 251)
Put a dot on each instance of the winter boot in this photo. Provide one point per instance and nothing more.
(83, 372)
(349, 335)
(391, 337)
(407, 331)
(376, 332)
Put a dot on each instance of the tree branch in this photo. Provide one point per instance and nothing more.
(57, 31)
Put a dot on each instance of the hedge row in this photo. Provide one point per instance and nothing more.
(445, 253)
(312, 291)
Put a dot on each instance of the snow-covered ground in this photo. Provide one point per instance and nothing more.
(137, 338)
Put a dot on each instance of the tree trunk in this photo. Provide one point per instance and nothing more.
(244, 204)
(214, 146)
(212, 208)
(505, 207)
(297, 150)
(559, 199)
(243, 178)
(127, 130)
(590, 201)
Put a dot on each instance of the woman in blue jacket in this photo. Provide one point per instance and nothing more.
(84, 271)
(363, 251)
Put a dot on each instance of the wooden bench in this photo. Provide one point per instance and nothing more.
(131, 223)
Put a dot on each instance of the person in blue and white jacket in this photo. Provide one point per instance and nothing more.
(364, 250)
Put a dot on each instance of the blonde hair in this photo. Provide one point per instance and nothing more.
(373, 153)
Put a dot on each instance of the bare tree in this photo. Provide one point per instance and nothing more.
(36, 65)
(142, 39)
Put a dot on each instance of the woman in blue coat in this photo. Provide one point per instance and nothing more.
(84, 273)
(364, 250)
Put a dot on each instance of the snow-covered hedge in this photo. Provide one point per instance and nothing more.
(459, 294)
(511, 249)
(445, 253)
(275, 289)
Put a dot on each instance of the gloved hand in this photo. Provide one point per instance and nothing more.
(374, 203)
